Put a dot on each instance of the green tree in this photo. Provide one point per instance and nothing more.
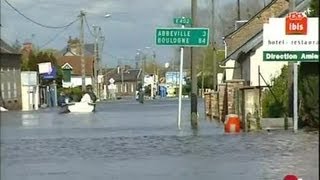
(309, 94)
(314, 7)
(309, 85)
(275, 100)
(206, 66)
(31, 64)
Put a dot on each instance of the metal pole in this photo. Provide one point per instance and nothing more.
(122, 80)
(259, 84)
(295, 97)
(83, 66)
(291, 83)
(180, 86)
(194, 81)
(202, 75)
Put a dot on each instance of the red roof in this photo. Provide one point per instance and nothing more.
(75, 63)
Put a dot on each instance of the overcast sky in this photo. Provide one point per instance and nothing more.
(131, 26)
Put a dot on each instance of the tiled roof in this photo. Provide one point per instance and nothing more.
(75, 62)
(6, 48)
(128, 75)
(250, 34)
(240, 36)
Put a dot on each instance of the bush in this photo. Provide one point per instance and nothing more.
(309, 94)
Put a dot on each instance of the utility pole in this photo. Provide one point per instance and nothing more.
(100, 48)
(238, 10)
(194, 83)
(214, 55)
(214, 62)
(83, 65)
(95, 62)
(293, 83)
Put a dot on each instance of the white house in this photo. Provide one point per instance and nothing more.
(71, 67)
(244, 47)
(70, 63)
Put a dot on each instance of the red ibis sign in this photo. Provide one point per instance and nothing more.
(296, 24)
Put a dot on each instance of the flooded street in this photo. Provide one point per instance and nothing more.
(125, 140)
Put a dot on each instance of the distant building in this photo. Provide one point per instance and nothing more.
(126, 80)
(73, 48)
(10, 69)
(27, 48)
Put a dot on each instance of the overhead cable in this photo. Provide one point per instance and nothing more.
(42, 25)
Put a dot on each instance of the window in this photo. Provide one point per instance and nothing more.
(15, 90)
(2, 90)
(14, 83)
(67, 75)
(9, 90)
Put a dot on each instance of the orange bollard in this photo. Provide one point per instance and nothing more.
(232, 124)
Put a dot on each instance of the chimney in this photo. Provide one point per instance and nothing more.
(27, 46)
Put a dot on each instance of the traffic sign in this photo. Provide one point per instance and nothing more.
(190, 37)
(182, 20)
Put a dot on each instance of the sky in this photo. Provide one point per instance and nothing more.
(131, 26)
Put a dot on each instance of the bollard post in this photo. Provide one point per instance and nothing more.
(285, 122)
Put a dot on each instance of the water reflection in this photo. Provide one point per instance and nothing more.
(122, 141)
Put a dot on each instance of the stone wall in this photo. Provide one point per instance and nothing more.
(228, 97)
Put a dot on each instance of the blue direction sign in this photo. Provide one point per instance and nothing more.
(50, 75)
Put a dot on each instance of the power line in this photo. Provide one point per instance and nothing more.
(86, 21)
(55, 36)
(42, 25)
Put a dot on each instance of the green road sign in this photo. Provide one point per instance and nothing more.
(303, 56)
(182, 20)
(191, 37)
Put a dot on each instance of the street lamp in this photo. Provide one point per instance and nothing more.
(166, 65)
(97, 58)
(107, 15)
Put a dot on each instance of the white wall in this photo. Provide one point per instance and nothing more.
(76, 81)
(229, 72)
(267, 69)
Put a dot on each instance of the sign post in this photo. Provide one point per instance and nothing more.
(183, 37)
(297, 41)
(180, 85)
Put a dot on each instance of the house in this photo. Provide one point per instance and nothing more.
(125, 79)
(244, 46)
(10, 76)
(71, 68)
(70, 63)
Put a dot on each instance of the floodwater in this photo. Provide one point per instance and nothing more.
(125, 140)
